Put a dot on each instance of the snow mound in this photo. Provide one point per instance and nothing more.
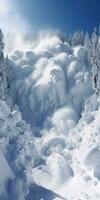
(56, 169)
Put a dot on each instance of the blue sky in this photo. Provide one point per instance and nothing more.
(66, 15)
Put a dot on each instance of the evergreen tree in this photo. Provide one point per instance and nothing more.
(1, 43)
(87, 42)
(95, 61)
(3, 68)
(88, 46)
(78, 38)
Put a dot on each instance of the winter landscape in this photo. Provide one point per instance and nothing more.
(49, 114)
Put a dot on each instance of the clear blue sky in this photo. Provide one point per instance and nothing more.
(67, 15)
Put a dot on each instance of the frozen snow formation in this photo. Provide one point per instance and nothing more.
(49, 119)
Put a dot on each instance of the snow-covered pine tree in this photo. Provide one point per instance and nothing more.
(3, 69)
(78, 38)
(87, 42)
(70, 38)
(95, 61)
(62, 36)
(87, 45)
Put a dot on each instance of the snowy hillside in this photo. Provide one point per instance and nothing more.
(49, 119)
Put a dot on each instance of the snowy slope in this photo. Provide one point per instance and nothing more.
(73, 163)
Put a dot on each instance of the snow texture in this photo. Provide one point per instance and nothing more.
(50, 119)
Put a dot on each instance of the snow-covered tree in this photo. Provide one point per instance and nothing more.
(87, 42)
(62, 36)
(78, 38)
(1, 42)
(3, 68)
(88, 45)
(95, 61)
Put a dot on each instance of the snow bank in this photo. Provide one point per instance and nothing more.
(16, 144)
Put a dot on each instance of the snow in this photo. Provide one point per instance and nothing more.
(48, 77)
(4, 110)
(64, 119)
(80, 53)
(5, 171)
(57, 170)
(6, 174)
(49, 122)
